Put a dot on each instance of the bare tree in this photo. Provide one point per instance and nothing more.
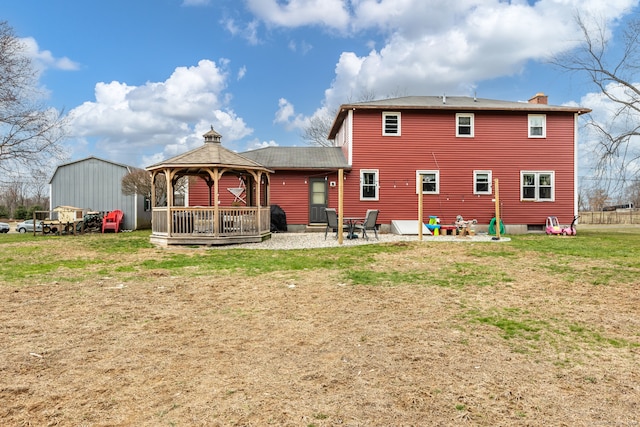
(136, 181)
(14, 195)
(317, 130)
(632, 194)
(614, 75)
(598, 198)
(30, 134)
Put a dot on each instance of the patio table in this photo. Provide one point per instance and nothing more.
(351, 225)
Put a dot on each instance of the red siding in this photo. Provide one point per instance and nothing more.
(290, 190)
(428, 142)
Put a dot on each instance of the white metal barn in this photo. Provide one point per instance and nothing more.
(94, 184)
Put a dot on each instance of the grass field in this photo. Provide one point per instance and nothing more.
(107, 330)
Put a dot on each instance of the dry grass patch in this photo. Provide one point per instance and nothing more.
(438, 334)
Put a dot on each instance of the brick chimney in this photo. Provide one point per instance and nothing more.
(539, 98)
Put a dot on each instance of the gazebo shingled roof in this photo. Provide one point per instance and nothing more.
(211, 153)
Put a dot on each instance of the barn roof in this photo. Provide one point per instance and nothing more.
(86, 159)
(291, 158)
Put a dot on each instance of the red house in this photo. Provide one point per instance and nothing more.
(450, 148)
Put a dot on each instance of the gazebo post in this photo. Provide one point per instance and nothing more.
(167, 177)
(216, 215)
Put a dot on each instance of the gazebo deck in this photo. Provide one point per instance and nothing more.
(201, 225)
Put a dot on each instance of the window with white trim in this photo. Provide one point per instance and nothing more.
(390, 124)
(537, 126)
(481, 182)
(428, 182)
(369, 184)
(537, 186)
(464, 125)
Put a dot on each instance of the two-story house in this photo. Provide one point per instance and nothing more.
(452, 149)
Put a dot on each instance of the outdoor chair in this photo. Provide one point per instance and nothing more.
(369, 223)
(332, 223)
(112, 221)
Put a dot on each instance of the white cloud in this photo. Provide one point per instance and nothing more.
(287, 116)
(249, 32)
(257, 144)
(242, 72)
(435, 46)
(169, 116)
(296, 13)
(44, 59)
(303, 47)
(438, 46)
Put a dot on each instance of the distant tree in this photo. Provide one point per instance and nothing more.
(632, 193)
(598, 199)
(21, 212)
(34, 208)
(616, 77)
(38, 186)
(136, 181)
(30, 134)
(14, 195)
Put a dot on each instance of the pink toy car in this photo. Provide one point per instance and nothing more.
(553, 227)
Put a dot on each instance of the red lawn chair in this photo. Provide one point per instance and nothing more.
(112, 221)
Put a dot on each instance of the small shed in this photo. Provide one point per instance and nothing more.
(68, 214)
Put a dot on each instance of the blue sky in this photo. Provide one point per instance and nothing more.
(142, 80)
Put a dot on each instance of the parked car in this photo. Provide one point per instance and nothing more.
(4, 227)
(27, 225)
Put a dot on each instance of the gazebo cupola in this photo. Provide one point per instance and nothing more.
(212, 136)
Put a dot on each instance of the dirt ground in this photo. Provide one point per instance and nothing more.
(306, 348)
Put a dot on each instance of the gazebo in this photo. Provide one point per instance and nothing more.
(213, 224)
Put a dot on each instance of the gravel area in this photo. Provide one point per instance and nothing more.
(317, 240)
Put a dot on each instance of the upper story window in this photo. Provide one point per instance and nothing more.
(537, 126)
(391, 124)
(428, 182)
(537, 186)
(369, 184)
(481, 182)
(464, 124)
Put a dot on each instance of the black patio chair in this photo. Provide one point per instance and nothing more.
(332, 222)
(369, 223)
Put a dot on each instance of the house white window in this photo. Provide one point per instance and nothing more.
(537, 126)
(464, 125)
(390, 124)
(428, 182)
(369, 184)
(537, 186)
(481, 182)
